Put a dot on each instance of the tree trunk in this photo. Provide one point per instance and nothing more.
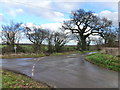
(50, 48)
(79, 45)
(83, 44)
(37, 48)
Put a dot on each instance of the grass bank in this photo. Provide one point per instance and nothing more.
(33, 55)
(105, 60)
(15, 80)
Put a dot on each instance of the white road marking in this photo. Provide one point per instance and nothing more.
(32, 70)
(32, 74)
(33, 67)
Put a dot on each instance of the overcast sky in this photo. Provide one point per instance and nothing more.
(51, 13)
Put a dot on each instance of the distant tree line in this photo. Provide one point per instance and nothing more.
(55, 41)
(82, 25)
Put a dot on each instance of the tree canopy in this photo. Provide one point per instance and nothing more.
(85, 23)
(11, 33)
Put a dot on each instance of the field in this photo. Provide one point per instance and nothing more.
(29, 48)
(33, 55)
(15, 80)
(105, 60)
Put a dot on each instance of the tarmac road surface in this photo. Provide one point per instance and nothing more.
(67, 71)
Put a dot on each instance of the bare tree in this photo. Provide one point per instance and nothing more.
(98, 42)
(60, 39)
(36, 36)
(110, 35)
(88, 41)
(49, 39)
(85, 24)
(77, 38)
(11, 33)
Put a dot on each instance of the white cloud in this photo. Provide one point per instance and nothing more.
(45, 8)
(14, 12)
(67, 6)
(39, 8)
(29, 24)
(110, 15)
(72, 42)
(86, 0)
(1, 17)
(19, 10)
(59, 14)
(111, 5)
(24, 40)
(52, 26)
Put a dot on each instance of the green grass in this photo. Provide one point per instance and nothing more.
(65, 53)
(15, 80)
(33, 55)
(105, 60)
(27, 48)
(71, 52)
(1, 46)
(28, 55)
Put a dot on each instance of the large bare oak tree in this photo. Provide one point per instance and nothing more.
(85, 23)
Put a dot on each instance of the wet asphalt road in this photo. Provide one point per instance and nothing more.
(68, 71)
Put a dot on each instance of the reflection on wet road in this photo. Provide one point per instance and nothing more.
(68, 71)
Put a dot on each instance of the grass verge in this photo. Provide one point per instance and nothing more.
(32, 55)
(15, 80)
(104, 60)
(22, 55)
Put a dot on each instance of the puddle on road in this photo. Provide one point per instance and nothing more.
(17, 61)
(23, 58)
(90, 53)
(71, 56)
